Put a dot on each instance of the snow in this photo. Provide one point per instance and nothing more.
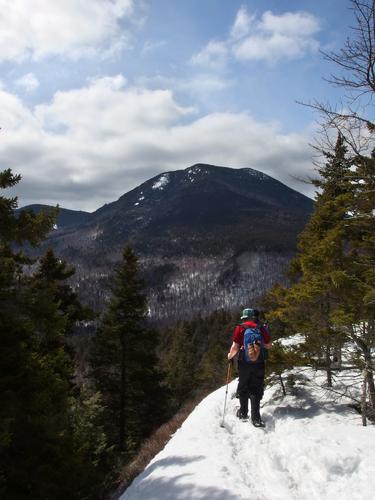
(256, 173)
(313, 447)
(194, 171)
(161, 182)
(292, 341)
(95, 233)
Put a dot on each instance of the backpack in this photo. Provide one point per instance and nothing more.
(253, 342)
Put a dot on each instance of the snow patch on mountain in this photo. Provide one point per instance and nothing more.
(313, 448)
(161, 182)
(256, 173)
(196, 170)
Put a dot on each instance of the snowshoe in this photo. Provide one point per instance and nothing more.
(258, 422)
(241, 416)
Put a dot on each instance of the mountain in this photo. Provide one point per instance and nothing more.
(66, 218)
(313, 446)
(223, 234)
(186, 211)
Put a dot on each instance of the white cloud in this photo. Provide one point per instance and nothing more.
(40, 28)
(274, 37)
(200, 85)
(90, 145)
(242, 24)
(269, 38)
(213, 55)
(290, 23)
(28, 82)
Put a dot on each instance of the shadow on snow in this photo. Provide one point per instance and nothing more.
(155, 488)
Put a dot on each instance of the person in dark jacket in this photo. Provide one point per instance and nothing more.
(251, 375)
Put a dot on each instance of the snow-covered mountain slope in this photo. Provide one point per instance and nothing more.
(216, 236)
(314, 447)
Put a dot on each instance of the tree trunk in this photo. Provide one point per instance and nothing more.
(328, 366)
(364, 347)
(122, 401)
(337, 357)
(363, 399)
(282, 384)
(370, 382)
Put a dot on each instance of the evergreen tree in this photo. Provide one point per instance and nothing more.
(33, 416)
(53, 274)
(51, 281)
(331, 298)
(355, 283)
(308, 304)
(193, 355)
(42, 452)
(125, 364)
(180, 363)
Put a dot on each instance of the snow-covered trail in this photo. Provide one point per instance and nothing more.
(312, 448)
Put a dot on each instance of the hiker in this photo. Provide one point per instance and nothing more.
(250, 370)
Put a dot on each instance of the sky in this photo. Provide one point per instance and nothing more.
(98, 96)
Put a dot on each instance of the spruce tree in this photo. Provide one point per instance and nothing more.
(124, 362)
(33, 410)
(53, 273)
(180, 363)
(355, 283)
(310, 301)
(331, 297)
(42, 452)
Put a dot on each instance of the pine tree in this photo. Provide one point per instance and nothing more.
(33, 410)
(54, 273)
(331, 298)
(355, 283)
(180, 363)
(42, 452)
(51, 280)
(125, 364)
(310, 301)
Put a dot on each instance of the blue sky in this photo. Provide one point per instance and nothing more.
(97, 96)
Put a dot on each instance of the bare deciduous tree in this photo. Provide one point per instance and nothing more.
(354, 115)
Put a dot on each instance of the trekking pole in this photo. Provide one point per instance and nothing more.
(226, 392)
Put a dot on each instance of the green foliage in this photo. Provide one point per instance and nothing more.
(283, 358)
(331, 295)
(322, 260)
(180, 363)
(43, 450)
(124, 362)
(25, 228)
(34, 370)
(193, 355)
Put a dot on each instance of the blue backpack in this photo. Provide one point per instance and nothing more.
(254, 350)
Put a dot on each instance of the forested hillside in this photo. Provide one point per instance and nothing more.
(207, 237)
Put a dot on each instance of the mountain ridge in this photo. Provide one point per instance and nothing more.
(228, 234)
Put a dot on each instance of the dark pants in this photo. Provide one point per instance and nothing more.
(250, 385)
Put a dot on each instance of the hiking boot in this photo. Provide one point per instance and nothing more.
(240, 415)
(258, 422)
